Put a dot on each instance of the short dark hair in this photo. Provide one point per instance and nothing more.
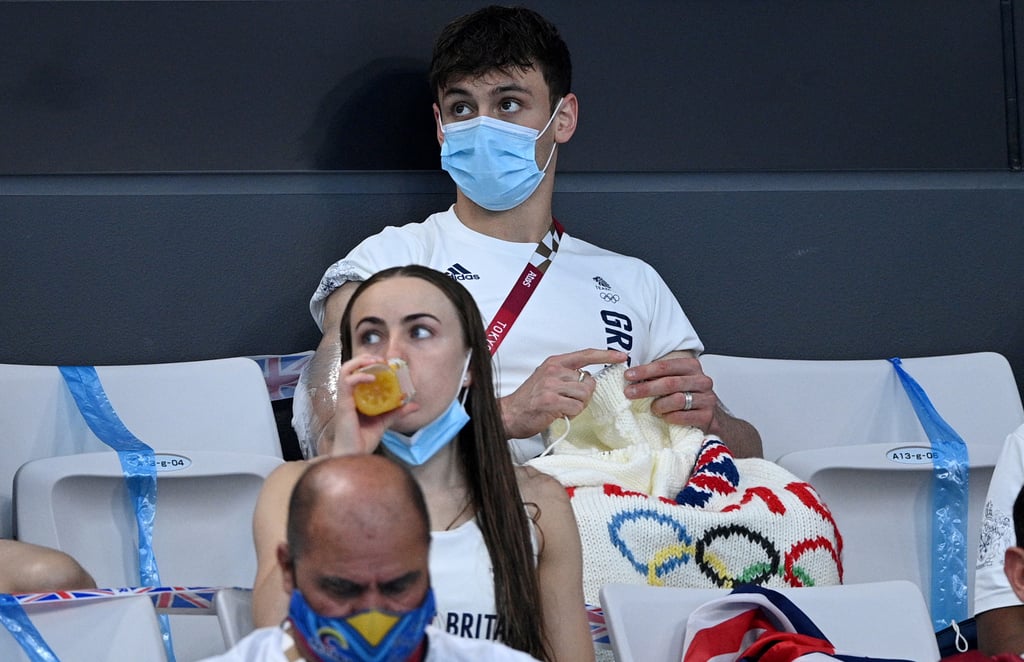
(1018, 518)
(501, 39)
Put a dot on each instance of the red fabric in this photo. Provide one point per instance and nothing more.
(419, 653)
(785, 647)
(726, 636)
(770, 645)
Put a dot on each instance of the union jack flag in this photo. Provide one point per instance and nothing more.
(166, 599)
(598, 628)
(754, 624)
(172, 599)
(713, 473)
(281, 372)
(57, 596)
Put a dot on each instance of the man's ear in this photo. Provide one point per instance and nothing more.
(1013, 566)
(437, 124)
(565, 120)
(287, 563)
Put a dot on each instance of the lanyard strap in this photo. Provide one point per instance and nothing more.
(137, 464)
(949, 507)
(528, 281)
(17, 622)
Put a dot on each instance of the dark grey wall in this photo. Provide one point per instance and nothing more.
(680, 85)
(107, 269)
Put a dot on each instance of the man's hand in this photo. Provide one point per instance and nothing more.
(684, 395)
(556, 388)
(668, 380)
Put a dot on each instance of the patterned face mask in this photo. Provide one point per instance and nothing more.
(367, 636)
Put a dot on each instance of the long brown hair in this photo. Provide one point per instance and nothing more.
(487, 467)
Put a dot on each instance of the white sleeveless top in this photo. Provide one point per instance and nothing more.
(463, 581)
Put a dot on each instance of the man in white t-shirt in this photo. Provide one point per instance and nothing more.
(501, 78)
(999, 612)
(356, 566)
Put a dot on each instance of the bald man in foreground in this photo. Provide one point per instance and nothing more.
(355, 564)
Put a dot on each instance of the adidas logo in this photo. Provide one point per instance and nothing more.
(459, 272)
(602, 283)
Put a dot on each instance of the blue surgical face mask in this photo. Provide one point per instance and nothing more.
(494, 162)
(367, 636)
(432, 437)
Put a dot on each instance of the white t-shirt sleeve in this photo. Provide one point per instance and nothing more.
(991, 588)
(670, 329)
(391, 247)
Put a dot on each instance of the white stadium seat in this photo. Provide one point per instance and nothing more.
(212, 427)
(883, 508)
(220, 404)
(801, 405)
(849, 429)
(883, 619)
(95, 630)
(202, 532)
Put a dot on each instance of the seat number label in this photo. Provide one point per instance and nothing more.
(911, 455)
(169, 462)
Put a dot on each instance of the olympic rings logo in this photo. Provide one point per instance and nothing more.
(663, 562)
(717, 570)
(716, 551)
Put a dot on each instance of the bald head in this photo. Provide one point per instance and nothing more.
(358, 537)
(359, 495)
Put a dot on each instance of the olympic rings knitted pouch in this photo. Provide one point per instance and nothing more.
(664, 505)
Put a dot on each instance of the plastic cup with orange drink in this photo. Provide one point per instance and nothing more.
(391, 388)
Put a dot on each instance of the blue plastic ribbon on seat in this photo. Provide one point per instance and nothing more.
(138, 465)
(17, 622)
(949, 507)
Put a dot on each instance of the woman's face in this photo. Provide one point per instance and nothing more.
(410, 319)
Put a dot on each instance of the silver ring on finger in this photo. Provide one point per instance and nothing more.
(583, 374)
(687, 401)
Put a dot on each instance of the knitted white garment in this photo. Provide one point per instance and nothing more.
(664, 505)
(616, 440)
